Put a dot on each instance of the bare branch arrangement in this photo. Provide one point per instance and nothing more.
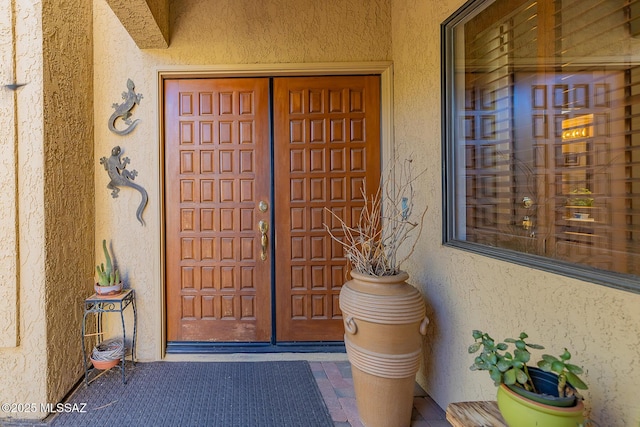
(385, 223)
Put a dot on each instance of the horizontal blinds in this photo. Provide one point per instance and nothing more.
(578, 33)
(551, 144)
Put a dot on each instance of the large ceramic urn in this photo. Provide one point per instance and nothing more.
(384, 320)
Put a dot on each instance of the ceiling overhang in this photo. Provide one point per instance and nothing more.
(146, 21)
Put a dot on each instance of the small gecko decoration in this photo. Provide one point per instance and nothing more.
(120, 177)
(131, 99)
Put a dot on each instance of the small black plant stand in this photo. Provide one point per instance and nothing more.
(97, 304)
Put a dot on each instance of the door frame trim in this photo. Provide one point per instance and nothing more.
(382, 68)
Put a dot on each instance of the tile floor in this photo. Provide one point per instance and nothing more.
(336, 385)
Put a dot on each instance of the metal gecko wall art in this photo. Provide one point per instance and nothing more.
(120, 177)
(123, 111)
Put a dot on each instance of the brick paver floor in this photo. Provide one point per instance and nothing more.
(336, 385)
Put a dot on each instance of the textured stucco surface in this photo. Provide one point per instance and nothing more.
(146, 21)
(464, 291)
(279, 31)
(68, 185)
(23, 369)
(54, 199)
(8, 146)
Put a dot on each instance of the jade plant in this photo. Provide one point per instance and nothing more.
(511, 368)
(108, 276)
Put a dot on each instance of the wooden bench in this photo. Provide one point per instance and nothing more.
(475, 414)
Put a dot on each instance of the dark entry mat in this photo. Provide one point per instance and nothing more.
(225, 394)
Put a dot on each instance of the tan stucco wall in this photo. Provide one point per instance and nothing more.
(50, 205)
(23, 365)
(146, 21)
(466, 291)
(68, 185)
(8, 227)
(206, 34)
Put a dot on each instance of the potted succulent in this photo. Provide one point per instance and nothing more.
(545, 395)
(109, 282)
(384, 317)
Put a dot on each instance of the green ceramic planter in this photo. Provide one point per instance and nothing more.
(547, 386)
(519, 411)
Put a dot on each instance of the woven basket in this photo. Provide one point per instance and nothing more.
(107, 354)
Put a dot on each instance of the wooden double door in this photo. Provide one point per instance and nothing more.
(250, 166)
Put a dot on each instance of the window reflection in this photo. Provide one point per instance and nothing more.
(546, 143)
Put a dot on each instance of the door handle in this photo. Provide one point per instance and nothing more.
(263, 226)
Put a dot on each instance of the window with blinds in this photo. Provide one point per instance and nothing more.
(541, 110)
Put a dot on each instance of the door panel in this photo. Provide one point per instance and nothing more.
(551, 105)
(216, 143)
(327, 146)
